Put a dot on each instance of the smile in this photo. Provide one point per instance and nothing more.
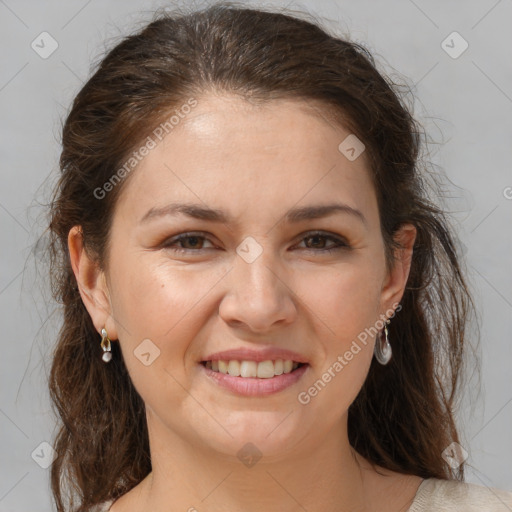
(262, 370)
(252, 378)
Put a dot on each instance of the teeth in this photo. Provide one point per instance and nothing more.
(234, 368)
(247, 368)
(223, 367)
(263, 370)
(287, 366)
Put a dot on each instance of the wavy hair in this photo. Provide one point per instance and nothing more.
(403, 417)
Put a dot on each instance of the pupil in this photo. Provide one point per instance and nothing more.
(316, 238)
(194, 239)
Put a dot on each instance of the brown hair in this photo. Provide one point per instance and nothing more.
(403, 417)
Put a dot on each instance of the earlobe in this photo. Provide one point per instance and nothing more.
(91, 283)
(396, 281)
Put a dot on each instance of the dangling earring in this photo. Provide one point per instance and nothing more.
(105, 345)
(383, 349)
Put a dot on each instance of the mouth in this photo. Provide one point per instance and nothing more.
(253, 369)
(253, 378)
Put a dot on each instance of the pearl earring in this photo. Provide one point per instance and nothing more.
(105, 345)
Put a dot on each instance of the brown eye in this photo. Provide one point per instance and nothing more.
(188, 242)
(194, 242)
(317, 242)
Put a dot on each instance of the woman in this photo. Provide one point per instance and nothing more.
(262, 308)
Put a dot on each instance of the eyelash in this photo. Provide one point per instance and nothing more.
(340, 242)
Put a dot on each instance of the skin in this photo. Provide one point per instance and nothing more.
(256, 163)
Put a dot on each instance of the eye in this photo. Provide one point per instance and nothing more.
(192, 240)
(315, 241)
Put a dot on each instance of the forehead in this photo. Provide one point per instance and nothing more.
(231, 152)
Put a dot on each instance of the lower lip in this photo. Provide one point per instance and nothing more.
(252, 386)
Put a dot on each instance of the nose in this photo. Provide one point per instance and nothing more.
(259, 298)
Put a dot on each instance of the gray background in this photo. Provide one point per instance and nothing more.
(465, 103)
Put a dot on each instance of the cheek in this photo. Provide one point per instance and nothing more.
(345, 308)
(167, 304)
(153, 307)
(346, 299)
(151, 297)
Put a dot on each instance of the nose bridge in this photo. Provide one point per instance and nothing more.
(256, 272)
(257, 294)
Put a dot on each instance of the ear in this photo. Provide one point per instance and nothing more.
(394, 285)
(92, 284)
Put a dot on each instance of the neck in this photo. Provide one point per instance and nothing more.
(318, 476)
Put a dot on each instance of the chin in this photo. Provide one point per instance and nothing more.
(268, 434)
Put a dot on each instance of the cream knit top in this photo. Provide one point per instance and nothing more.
(434, 495)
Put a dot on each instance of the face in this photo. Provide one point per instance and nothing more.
(270, 275)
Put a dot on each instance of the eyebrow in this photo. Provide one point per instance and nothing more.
(294, 215)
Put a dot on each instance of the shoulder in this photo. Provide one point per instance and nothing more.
(452, 496)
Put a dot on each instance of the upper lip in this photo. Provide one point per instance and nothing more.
(263, 354)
